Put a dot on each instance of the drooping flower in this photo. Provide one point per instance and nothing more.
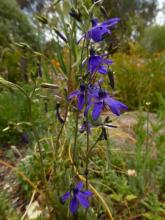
(77, 197)
(99, 30)
(98, 63)
(80, 94)
(102, 99)
(86, 126)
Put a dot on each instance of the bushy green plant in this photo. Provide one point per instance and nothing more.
(14, 115)
(14, 24)
(153, 38)
(139, 78)
(6, 211)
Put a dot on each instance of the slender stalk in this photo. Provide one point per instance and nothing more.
(43, 174)
(108, 152)
(68, 89)
(29, 99)
(82, 51)
(77, 114)
(147, 129)
(87, 124)
(147, 151)
(75, 139)
(91, 148)
(36, 136)
(87, 158)
(87, 134)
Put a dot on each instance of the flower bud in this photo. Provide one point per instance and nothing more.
(76, 14)
(111, 78)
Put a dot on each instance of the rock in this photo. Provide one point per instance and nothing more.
(34, 211)
(125, 133)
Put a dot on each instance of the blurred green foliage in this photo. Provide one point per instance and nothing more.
(14, 24)
(15, 27)
(153, 39)
(135, 15)
(14, 115)
(139, 76)
(12, 110)
(6, 211)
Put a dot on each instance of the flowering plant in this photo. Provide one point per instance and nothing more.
(92, 98)
(77, 196)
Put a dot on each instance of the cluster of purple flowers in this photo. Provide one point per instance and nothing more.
(93, 98)
(98, 98)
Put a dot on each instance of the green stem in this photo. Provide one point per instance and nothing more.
(68, 86)
(43, 174)
(91, 148)
(36, 136)
(87, 140)
(75, 139)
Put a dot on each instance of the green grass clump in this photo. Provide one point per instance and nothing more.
(139, 78)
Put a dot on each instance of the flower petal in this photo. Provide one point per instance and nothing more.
(111, 22)
(65, 197)
(95, 21)
(83, 200)
(102, 70)
(79, 185)
(87, 108)
(93, 63)
(86, 126)
(81, 101)
(87, 193)
(73, 205)
(94, 92)
(73, 94)
(97, 110)
(115, 105)
(107, 61)
(97, 32)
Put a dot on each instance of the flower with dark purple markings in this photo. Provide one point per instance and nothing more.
(102, 99)
(98, 63)
(77, 196)
(99, 30)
